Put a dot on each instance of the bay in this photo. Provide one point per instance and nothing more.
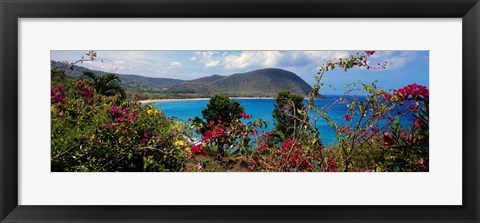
(258, 108)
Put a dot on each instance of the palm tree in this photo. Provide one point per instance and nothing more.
(107, 84)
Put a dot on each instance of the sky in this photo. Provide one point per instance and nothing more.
(404, 67)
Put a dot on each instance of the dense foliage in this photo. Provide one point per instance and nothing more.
(90, 132)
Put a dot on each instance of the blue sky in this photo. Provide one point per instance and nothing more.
(404, 67)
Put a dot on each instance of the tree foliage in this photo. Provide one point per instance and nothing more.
(220, 107)
(106, 84)
(288, 112)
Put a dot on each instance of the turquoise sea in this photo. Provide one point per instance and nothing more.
(258, 108)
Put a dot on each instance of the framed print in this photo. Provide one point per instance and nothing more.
(207, 110)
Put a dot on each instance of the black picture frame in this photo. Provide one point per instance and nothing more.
(12, 10)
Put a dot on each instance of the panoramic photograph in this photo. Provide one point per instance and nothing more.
(239, 111)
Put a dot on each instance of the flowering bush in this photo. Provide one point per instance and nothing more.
(370, 138)
(91, 133)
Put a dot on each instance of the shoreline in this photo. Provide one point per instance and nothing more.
(194, 99)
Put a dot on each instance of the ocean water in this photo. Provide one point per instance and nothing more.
(259, 108)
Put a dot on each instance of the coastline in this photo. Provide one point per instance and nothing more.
(194, 99)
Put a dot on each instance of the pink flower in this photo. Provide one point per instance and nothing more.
(413, 92)
(331, 166)
(114, 110)
(245, 116)
(369, 52)
(288, 144)
(120, 119)
(131, 118)
(388, 139)
(84, 90)
(57, 95)
(198, 166)
(126, 111)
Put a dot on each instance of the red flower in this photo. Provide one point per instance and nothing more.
(344, 129)
(198, 149)
(412, 107)
(387, 97)
(369, 52)
(348, 117)
(417, 124)
(288, 144)
(297, 159)
(331, 166)
(262, 147)
(267, 136)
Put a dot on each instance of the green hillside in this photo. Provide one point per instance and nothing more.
(132, 83)
(257, 83)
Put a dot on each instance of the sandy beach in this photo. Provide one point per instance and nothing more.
(171, 99)
(195, 99)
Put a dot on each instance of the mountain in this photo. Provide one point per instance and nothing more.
(130, 82)
(258, 83)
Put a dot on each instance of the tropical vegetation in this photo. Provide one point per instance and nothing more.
(98, 126)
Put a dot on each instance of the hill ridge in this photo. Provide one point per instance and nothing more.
(264, 82)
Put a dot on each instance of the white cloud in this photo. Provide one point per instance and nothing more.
(395, 61)
(255, 59)
(176, 64)
(252, 59)
(212, 63)
(208, 58)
